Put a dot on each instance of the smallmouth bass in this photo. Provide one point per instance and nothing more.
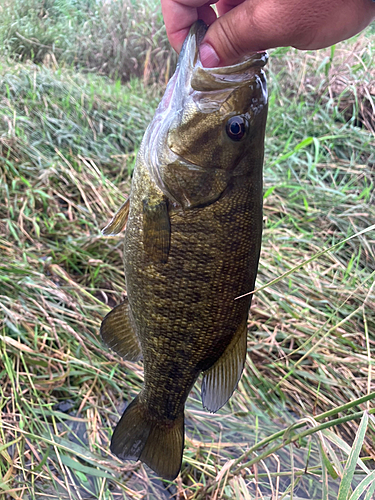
(192, 243)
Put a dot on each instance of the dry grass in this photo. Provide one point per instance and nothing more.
(68, 142)
(341, 78)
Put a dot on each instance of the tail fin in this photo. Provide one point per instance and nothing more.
(157, 444)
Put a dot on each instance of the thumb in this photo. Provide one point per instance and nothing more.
(230, 37)
(248, 27)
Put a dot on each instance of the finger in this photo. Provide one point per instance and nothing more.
(179, 15)
(245, 29)
(255, 25)
(224, 6)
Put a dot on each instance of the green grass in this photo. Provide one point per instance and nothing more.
(118, 38)
(300, 420)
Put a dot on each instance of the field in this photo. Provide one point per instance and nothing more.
(79, 81)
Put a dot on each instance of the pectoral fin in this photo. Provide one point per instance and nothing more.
(118, 333)
(156, 230)
(118, 222)
(222, 378)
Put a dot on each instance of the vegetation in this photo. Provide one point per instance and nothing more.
(109, 37)
(69, 132)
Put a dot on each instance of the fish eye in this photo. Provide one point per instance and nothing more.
(236, 128)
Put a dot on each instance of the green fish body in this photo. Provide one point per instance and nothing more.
(192, 244)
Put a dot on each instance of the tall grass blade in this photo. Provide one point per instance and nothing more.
(351, 463)
(367, 482)
(369, 494)
(342, 445)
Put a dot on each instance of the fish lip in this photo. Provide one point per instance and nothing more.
(199, 78)
(198, 32)
(253, 60)
(199, 29)
(194, 37)
(193, 76)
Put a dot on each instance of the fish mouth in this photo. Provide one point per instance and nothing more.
(191, 73)
(217, 78)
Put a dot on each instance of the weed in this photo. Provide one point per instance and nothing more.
(301, 423)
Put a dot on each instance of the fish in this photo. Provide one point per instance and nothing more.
(193, 229)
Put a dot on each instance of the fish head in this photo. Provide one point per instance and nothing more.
(209, 125)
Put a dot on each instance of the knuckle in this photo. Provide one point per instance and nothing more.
(229, 41)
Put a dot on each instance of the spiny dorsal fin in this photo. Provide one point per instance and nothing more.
(222, 378)
(156, 230)
(157, 443)
(118, 333)
(118, 221)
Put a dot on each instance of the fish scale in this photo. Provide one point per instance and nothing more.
(192, 244)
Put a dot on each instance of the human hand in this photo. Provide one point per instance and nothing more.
(245, 26)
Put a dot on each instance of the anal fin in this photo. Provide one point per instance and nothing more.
(156, 230)
(118, 221)
(118, 333)
(220, 381)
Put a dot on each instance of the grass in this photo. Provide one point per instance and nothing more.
(94, 36)
(301, 423)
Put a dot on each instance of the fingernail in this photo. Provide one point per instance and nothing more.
(209, 58)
